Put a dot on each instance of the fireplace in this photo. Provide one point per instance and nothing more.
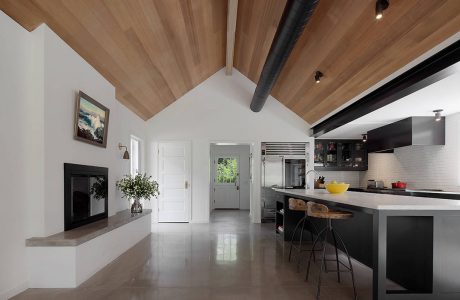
(85, 195)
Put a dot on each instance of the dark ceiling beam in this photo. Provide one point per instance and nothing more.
(295, 16)
(431, 70)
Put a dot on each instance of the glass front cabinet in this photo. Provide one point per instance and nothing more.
(340, 155)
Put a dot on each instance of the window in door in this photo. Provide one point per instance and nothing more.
(135, 155)
(227, 170)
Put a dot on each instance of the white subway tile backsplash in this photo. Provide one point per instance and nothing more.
(351, 177)
(422, 167)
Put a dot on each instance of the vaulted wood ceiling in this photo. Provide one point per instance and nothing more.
(345, 42)
(154, 51)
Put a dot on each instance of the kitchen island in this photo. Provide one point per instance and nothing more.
(412, 241)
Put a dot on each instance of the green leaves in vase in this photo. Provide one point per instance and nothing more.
(138, 187)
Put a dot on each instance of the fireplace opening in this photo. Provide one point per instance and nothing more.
(85, 195)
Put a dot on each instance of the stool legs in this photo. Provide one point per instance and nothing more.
(293, 235)
(301, 225)
(300, 244)
(351, 266)
(322, 263)
(312, 252)
(336, 237)
(336, 255)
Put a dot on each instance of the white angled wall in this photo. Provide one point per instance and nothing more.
(14, 70)
(65, 73)
(39, 78)
(217, 110)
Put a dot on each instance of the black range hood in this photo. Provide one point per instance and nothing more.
(423, 131)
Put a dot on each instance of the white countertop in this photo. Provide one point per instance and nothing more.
(378, 201)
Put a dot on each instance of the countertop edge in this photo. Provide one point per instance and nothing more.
(387, 202)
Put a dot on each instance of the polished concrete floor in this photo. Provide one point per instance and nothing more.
(226, 259)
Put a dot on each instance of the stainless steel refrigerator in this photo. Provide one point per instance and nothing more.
(283, 166)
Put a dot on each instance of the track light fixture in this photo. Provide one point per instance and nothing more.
(437, 115)
(318, 76)
(364, 137)
(380, 6)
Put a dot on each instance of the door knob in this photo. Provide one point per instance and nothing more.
(186, 184)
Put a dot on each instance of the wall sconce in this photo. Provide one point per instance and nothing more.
(126, 154)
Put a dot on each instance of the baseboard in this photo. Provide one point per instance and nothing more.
(14, 291)
(199, 221)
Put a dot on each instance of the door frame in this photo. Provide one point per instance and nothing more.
(252, 166)
(189, 175)
(213, 174)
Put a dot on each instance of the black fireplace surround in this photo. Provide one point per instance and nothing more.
(85, 195)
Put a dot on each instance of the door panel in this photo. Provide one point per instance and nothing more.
(226, 182)
(227, 197)
(174, 165)
(272, 172)
(174, 181)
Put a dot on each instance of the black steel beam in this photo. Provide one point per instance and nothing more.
(295, 16)
(431, 70)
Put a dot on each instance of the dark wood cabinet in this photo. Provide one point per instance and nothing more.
(407, 132)
(340, 155)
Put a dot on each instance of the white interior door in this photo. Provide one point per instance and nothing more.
(226, 182)
(174, 182)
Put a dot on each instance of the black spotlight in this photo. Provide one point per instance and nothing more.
(364, 137)
(380, 6)
(318, 76)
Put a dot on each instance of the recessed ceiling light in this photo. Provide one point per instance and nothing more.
(437, 115)
(380, 6)
(318, 76)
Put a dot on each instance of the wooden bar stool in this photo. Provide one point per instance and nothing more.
(320, 211)
(300, 205)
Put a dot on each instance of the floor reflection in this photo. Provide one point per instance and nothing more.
(229, 258)
(226, 249)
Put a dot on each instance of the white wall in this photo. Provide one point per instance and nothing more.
(14, 68)
(65, 72)
(218, 111)
(422, 167)
(39, 78)
(244, 153)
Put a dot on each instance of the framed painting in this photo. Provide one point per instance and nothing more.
(91, 121)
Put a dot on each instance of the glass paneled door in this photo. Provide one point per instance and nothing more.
(226, 182)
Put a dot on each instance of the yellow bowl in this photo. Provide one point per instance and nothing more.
(337, 188)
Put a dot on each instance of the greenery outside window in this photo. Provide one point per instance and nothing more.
(227, 170)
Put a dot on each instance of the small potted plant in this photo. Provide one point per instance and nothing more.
(138, 187)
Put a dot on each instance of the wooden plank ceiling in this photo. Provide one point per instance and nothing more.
(345, 42)
(154, 51)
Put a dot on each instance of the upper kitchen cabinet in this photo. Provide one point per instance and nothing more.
(340, 155)
(413, 131)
